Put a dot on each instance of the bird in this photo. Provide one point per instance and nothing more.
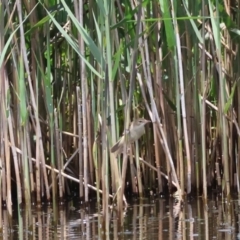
(136, 130)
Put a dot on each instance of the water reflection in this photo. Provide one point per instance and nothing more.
(161, 219)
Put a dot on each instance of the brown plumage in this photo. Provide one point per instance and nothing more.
(136, 130)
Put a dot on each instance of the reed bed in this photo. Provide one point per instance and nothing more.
(74, 74)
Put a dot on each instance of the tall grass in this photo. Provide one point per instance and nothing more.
(75, 74)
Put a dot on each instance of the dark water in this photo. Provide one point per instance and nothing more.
(158, 219)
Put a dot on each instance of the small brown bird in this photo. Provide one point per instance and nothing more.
(137, 129)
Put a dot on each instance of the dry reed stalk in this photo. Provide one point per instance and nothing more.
(61, 158)
(5, 162)
(104, 157)
(238, 117)
(110, 101)
(203, 114)
(2, 165)
(156, 169)
(24, 166)
(157, 156)
(158, 85)
(17, 150)
(160, 132)
(90, 141)
(74, 110)
(139, 174)
(79, 114)
(4, 151)
(15, 160)
(39, 143)
(58, 155)
(95, 154)
(1, 207)
(124, 170)
(29, 151)
(133, 174)
(84, 93)
(127, 118)
(182, 97)
(7, 166)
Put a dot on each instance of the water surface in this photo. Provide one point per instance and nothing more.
(147, 219)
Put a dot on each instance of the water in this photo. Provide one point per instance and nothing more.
(158, 219)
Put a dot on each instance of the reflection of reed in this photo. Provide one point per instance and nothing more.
(171, 226)
(206, 221)
(160, 219)
(191, 220)
(39, 226)
(62, 222)
(7, 225)
(144, 220)
(134, 221)
(142, 226)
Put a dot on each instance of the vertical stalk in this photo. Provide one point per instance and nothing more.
(39, 144)
(84, 103)
(158, 90)
(182, 169)
(182, 97)
(32, 190)
(15, 160)
(139, 174)
(238, 100)
(80, 160)
(90, 141)
(96, 164)
(222, 92)
(48, 90)
(58, 156)
(203, 108)
(25, 168)
(198, 150)
(4, 149)
(108, 7)
(105, 182)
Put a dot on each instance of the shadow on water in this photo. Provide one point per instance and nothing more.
(158, 219)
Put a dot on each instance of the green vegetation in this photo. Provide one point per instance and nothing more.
(75, 74)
